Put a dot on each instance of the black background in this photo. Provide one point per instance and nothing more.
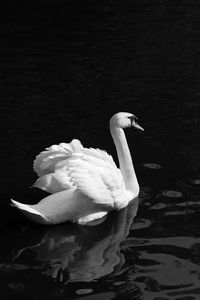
(67, 66)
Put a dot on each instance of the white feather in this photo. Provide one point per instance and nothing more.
(97, 177)
(54, 182)
(47, 160)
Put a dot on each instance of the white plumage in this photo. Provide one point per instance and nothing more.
(85, 183)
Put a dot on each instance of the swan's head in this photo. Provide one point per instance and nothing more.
(124, 120)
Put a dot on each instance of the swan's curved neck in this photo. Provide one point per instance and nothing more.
(125, 160)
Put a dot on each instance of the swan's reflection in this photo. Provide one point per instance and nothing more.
(83, 253)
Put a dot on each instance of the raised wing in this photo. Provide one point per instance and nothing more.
(46, 162)
(54, 182)
(95, 174)
(91, 171)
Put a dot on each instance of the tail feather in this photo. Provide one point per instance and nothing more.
(30, 212)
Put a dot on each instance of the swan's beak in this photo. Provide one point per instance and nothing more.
(137, 126)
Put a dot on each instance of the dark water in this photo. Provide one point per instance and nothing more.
(66, 67)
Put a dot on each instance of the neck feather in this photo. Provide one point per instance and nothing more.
(125, 160)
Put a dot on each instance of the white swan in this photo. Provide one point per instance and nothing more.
(85, 183)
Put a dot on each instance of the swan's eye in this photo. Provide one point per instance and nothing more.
(133, 118)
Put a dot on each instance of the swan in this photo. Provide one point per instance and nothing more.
(85, 183)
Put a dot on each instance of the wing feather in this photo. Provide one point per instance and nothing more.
(98, 153)
(96, 176)
(54, 182)
(91, 171)
(46, 161)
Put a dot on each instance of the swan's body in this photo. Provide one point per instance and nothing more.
(85, 183)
